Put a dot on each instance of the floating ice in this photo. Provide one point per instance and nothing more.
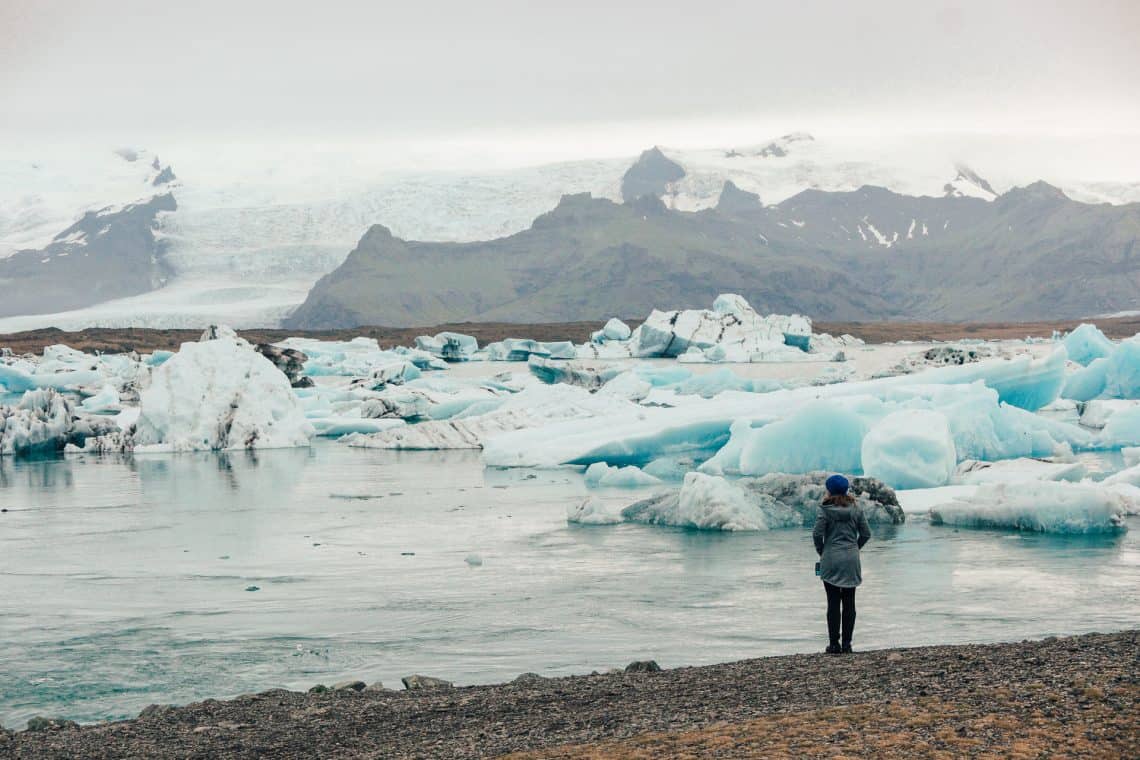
(592, 511)
(774, 501)
(974, 472)
(533, 407)
(1049, 507)
(821, 435)
(44, 422)
(1131, 455)
(1122, 429)
(571, 373)
(449, 346)
(601, 475)
(520, 350)
(219, 394)
(106, 401)
(1097, 412)
(910, 449)
(1087, 343)
(615, 329)
(1114, 376)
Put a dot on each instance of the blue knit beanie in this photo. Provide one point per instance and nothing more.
(837, 484)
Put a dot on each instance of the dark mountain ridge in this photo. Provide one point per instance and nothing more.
(867, 254)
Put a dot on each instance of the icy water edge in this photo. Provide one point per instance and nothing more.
(129, 582)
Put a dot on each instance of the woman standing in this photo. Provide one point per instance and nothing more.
(840, 532)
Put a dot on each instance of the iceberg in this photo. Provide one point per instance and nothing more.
(1046, 507)
(1122, 429)
(218, 394)
(449, 346)
(970, 397)
(974, 472)
(591, 512)
(1086, 343)
(822, 435)
(615, 329)
(537, 406)
(571, 373)
(910, 449)
(710, 502)
(1116, 376)
(44, 421)
(1096, 413)
(520, 350)
(601, 475)
(106, 401)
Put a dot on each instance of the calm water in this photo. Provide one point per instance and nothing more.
(124, 581)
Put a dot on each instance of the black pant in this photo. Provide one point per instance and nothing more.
(835, 596)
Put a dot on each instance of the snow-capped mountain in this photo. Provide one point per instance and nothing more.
(253, 232)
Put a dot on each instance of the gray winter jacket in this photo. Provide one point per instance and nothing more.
(840, 532)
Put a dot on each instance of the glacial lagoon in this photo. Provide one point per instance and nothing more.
(173, 578)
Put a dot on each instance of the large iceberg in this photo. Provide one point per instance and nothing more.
(733, 326)
(449, 346)
(1048, 507)
(970, 397)
(216, 394)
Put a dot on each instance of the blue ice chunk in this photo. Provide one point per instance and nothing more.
(1088, 383)
(662, 375)
(910, 449)
(601, 475)
(1023, 382)
(1086, 344)
(724, 379)
(158, 358)
(1114, 376)
(15, 380)
(1122, 429)
(823, 435)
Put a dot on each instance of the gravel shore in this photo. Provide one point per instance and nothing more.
(1074, 696)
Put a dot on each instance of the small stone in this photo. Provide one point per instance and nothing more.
(894, 657)
(349, 686)
(156, 711)
(378, 686)
(474, 560)
(643, 666)
(253, 588)
(407, 554)
(425, 682)
(319, 689)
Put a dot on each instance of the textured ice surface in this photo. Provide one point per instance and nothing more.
(1087, 343)
(520, 350)
(601, 475)
(1097, 412)
(732, 326)
(106, 401)
(219, 394)
(974, 472)
(1122, 429)
(449, 346)
(536, 406)
(823, 435)
(1114, 376)
(586, 376)
(1049, 507)
(592, 511)
(41, 420)
(910, 449)
(777, 500)
(982, 427)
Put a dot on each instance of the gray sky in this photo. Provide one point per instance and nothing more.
(212, 69)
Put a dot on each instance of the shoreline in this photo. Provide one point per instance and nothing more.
(1070, 695)
(145, 339)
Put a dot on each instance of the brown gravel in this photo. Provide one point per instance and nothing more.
(118, 340)
(1062, 697)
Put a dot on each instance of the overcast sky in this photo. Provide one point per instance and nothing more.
(209, 69)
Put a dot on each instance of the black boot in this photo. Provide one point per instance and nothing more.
(833, 649)
(847, 648)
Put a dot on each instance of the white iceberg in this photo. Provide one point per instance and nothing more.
(537, 406)
(44, 421)
(592, 512)
(106, 401)
(1097, 412)
(975, 472)
(219, 394)
(449, 346)
(1047, 507)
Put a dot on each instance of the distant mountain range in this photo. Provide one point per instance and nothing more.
(867, 254)
(871, 230)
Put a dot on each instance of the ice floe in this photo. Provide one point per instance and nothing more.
(1047, 507)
